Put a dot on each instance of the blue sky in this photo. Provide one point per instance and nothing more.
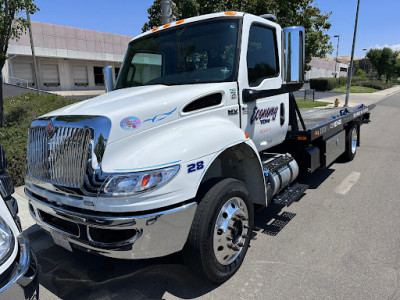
(378, 20)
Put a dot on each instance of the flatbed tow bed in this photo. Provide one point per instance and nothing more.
(325, 122)
(317, 137)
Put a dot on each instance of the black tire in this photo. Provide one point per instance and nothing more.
(205, 240)
(351, 143)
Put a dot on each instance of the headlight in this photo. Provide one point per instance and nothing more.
(133, 183)
(7, 241)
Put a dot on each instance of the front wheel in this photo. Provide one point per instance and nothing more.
(221, 231)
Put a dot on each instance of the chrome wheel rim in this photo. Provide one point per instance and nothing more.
(231, 230)
(354, 138)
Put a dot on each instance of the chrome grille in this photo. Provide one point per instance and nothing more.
(61, 158)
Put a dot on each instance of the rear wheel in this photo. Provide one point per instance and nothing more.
(221, 231)
(351, 143)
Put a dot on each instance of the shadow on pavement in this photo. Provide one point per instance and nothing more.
(81, 275)
(314, 180)
(272, 219)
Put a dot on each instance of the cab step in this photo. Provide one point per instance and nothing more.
(291, 194)
(277, 162)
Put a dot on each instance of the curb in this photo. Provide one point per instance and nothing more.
(379, 96)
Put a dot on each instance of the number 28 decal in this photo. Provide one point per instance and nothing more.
(195, 167)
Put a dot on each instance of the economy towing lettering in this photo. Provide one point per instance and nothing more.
(263, 116)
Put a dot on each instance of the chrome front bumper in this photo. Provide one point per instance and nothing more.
(127, 237)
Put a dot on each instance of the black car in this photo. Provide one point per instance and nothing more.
(18, 267)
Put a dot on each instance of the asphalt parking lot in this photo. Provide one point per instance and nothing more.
(340, 240)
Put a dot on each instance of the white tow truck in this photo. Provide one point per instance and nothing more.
(200, 126)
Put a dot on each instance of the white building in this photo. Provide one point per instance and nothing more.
(68, 58)
(326, 68)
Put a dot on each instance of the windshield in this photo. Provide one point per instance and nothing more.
(193, 53)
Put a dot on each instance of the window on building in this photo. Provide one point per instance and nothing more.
(98, 76)
(80, 75)
(50, 75)
(24, 71)
(262, 59)
(116, 73)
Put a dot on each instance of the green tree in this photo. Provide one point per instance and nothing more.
(384, 61)
(393, 67)
(295, 12)
(374, 56)
(154, 12)
(12, 25)
(397, 67)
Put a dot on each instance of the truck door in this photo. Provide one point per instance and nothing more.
(264, 117)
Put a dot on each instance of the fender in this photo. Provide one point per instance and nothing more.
(240, 161)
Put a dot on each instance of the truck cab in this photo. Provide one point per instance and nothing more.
(176, 154)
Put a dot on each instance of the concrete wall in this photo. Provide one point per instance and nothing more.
(65, 72)
(66, 47)
(68, 42)
(324, 68)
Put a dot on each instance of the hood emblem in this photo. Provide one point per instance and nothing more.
(50, 129)
(130, 123)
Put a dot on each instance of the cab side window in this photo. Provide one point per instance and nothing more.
(262, 59)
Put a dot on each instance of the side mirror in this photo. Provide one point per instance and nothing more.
(294, 60)
(108, 79)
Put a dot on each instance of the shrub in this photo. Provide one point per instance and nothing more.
(357, 79)
(327, 84)
(324, 84)
(342, 80)
(375, 84)
(360, 73)
(19, 112)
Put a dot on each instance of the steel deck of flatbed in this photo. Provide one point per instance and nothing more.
(316, 116)
(324, 122)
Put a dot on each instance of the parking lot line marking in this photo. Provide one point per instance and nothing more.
(344, 187)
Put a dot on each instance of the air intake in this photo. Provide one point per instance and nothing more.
(204, 102)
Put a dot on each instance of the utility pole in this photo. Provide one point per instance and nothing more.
(337, 53)
(166, 11)
(352, 58)
(35, 72)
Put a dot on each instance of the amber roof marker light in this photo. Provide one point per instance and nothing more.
(231, 13)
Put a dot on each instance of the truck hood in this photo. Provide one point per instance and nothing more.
(133, 110)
